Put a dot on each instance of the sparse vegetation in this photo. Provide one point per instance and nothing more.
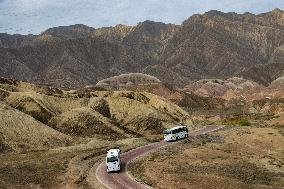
(127, 79)
(241, 121)
(22, 133)
(38, 121)
(196, 72)
(235, 157)
(244, 122)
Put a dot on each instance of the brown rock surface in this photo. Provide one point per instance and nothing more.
(210, 45)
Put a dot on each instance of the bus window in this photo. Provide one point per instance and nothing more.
(112, 159)
(167, 132)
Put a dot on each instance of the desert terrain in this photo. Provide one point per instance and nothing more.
(234, 157)
(54, 138)
(70, 93)
(51, 138)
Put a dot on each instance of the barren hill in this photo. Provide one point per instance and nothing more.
(235, 88)
(264, 73)
(79, 55)
(210, 45)
(128, 79)
(221, 45)
(20, 132)
(35, 117)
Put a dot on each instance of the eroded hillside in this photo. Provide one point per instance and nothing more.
(211, 45)
(64, 116)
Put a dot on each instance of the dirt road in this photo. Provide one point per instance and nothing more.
(122, 180)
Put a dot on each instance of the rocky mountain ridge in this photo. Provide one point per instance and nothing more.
(237, 88)
(210, 45)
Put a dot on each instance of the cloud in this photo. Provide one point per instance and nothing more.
(25, 16)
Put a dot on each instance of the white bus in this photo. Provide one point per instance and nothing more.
(113, 160)
(176, 133)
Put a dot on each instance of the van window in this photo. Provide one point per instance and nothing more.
(167, 132)
(112, 159)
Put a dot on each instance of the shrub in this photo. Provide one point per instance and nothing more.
(237, 121)
(244, 122)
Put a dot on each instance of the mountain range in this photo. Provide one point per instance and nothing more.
(210, 45)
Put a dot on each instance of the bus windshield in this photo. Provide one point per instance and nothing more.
(112, 159)
(167, 132)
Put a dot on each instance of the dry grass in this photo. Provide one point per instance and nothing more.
(235, 158)
(84, 122)
(3, 94)
(9, 88)
(33, 104)
(33, 170)
(137, 113)
(42, 107)
(100, 105)
(110, 115)
(20, 132)
(278, 121)
(133, 112)
(64, 167)
(130, 106)
(128, 79)
(51, 138)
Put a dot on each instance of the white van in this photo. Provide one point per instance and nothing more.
(176, 133)
(113, 160)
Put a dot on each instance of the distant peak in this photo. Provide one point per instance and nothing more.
(77, 25)
(248, 13)
(214, 12)
(277, 10)
(149, 22)
(274, 12)
(69, 27)
(122, 26)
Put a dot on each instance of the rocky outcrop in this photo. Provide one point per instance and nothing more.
(211, 45)
(127, 79)
(264, 73)
(78, 55)
(220, 45)
(237, 88)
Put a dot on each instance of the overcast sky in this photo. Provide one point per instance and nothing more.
(35, 16)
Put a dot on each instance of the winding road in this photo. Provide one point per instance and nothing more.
(122, 179)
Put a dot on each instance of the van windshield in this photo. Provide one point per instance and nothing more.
(112, 159)
(167, 132)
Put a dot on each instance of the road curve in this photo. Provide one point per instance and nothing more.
(122, 180)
